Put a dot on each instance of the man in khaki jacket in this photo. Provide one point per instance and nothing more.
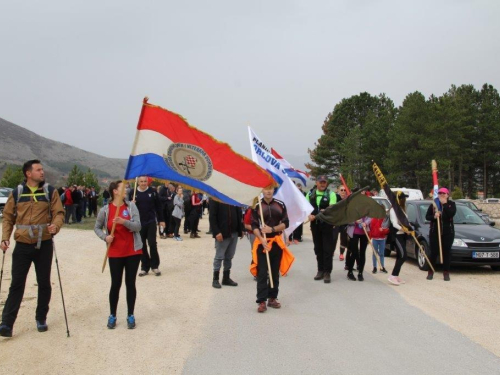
(36, 211)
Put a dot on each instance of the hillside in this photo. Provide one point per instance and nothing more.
(18, 144)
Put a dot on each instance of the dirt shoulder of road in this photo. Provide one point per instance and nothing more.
(170, 311)
(469, 303)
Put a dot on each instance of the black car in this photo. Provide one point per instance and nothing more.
(475, 244)
(473, 207)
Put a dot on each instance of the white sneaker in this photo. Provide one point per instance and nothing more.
(393, 280)
(400, 281)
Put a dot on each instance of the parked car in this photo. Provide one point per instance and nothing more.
(3, 200)
(473, 207)
(413, 194)
(384, 201)
(492, 200)
(475, 244)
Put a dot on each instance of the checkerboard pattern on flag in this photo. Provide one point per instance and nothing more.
(166, 147)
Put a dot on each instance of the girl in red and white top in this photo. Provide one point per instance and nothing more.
(125, 248)
(379, 229)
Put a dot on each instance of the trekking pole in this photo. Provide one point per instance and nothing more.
(1, 272)
(60, 286)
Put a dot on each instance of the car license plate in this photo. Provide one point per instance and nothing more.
(483, 254)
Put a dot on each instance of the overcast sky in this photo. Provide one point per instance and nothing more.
(76, 71)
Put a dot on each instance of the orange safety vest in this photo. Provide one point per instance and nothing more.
(287, 258)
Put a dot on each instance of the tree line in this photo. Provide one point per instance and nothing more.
(13, 176)
(459, 129)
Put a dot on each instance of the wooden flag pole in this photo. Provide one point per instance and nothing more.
(373, 249)
(436, 185)
(122, 189)
(267, 253)
(423, 251)
(135, 189)
(439, 236)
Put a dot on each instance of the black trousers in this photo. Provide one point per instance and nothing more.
(446, 242)
(148, 236)
(323, 245)
(194, 219)
(22, 257)
(297, 233)
(116, 266)
(343, 239)
(264, 290)
(401, 255)
(357, 250)
(177, 225)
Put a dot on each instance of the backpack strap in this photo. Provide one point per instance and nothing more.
(49, 191)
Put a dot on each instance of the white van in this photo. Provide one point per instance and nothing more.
(413, 194)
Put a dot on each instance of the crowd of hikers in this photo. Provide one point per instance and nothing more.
(133, 217)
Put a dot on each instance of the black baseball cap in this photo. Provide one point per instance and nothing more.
(322, 178)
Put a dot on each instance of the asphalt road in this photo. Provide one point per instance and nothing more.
(340, 328)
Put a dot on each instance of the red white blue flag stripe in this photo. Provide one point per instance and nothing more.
(166, 147)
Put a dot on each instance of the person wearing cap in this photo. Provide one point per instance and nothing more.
(449, 210)
(324, 240)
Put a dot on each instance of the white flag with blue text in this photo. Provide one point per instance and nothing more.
(298, 207)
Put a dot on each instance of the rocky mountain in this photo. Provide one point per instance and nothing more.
(18, 144)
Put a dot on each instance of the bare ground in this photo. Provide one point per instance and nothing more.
(171, 309)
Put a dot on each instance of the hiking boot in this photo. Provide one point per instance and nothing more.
(226, 280)
(156, 271)
(262, 307)
(215, 282)
(112, 322)
(327, 278)
(430, 275)
(446, 276)
(360, 277)
(130, 322)
(273, 302)
(5, 330)
(319, 275)
(351, 276)
(192, 235)
(393, 280)
(383, 270)
(196, 235)
(374, 270)
(41, 326)
(171, 235)
(186, 231)
(143, 273)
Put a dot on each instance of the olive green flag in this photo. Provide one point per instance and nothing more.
(353, 208)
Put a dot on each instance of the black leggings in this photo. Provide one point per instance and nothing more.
(401, 255)
(177, 226)
(116, 267)
(357, 255)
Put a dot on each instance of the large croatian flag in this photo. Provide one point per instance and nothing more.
(166, 147)
(297, 205)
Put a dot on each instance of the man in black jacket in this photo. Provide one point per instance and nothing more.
(149, 206)
(227, 225)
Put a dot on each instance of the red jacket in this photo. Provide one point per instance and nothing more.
(376, 230)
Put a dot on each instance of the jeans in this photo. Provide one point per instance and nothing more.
(224, 252)
(379, 246)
